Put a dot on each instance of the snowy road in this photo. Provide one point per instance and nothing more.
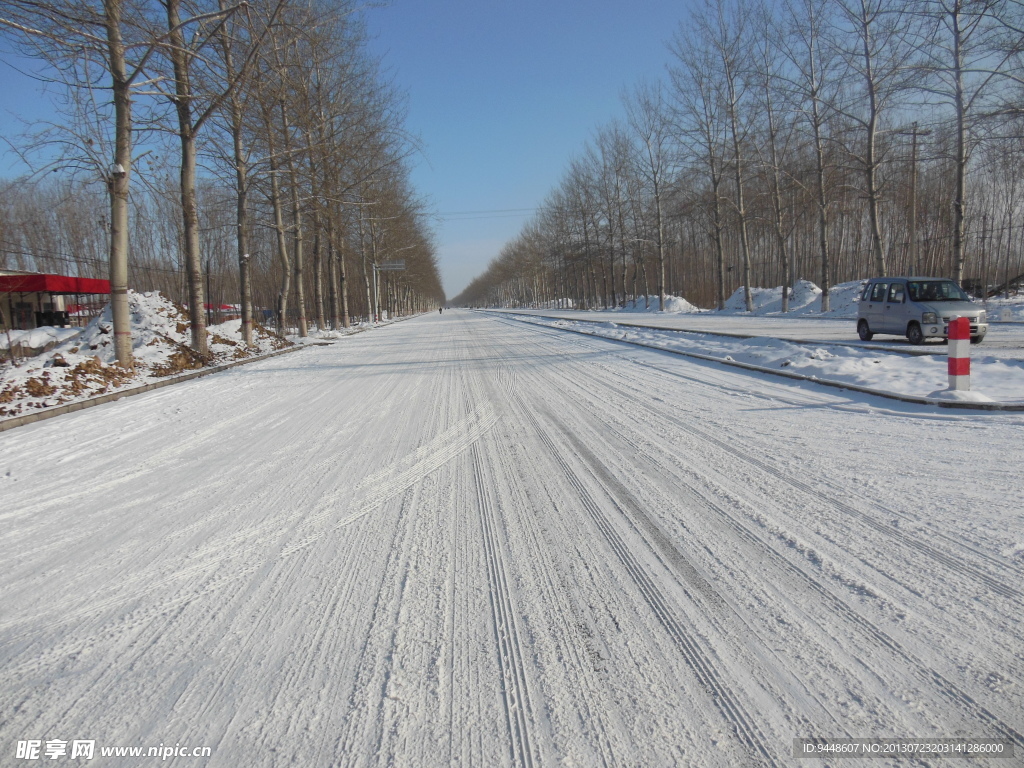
(463, 540)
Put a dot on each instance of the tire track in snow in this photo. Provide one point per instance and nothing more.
(700, 663)
(369, 718)
(955, 565)
(230, 543)
(592, 715)
(555, 611)
(933, 678)
(673, 558)
(250, 548)
(367, 689)
(364, 710)
(251, 545)
(413, 468)
(515, 690)
(1003, 656)
(674, 561)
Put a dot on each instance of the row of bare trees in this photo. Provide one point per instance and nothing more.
(60, 227)
(287, 144)
(827, 140)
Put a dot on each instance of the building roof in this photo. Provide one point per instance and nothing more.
(33, 283)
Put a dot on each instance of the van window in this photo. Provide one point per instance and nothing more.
(896, 293)
(878, 291)
(936, 290)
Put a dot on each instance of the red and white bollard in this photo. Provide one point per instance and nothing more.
(960, 354)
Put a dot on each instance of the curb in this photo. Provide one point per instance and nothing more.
(798, 376)
(49, 413)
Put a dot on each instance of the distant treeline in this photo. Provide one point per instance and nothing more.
(829, 140)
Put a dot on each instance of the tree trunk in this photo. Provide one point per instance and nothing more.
(661, 249)
(717, 234)
(960, 193)
(748, 299)
(117, 187)
(346, 321)
(279, 231)
(318, 281)
(298, 233)
(332, 275)
(189, 208)
(871, 165)
(242, 194)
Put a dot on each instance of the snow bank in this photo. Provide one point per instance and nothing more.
(316, 335)
(673, 304)
(804, 299)
(85, 365)
(37, 338)
(1002, 310)
(961, 396)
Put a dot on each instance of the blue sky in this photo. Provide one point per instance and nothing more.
(501, 94)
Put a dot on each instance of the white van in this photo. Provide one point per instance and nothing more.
(916, 307)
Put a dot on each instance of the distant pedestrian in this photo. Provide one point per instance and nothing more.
(440, 310)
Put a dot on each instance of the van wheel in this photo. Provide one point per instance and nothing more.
(914, 334)
(978, 338)
(863, 331)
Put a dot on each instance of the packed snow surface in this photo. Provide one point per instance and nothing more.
(466, 540)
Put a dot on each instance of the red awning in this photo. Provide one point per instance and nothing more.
(52, 284)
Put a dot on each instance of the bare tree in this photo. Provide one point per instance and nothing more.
(77, 38)
(812, 88)
(965, 64)
(646, 110)
(701, 122)
(873, 37)
(777, 129)
(200, 88)
(724, 26)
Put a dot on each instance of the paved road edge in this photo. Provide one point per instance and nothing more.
(59, 410)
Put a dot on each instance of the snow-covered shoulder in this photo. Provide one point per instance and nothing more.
(85, 364)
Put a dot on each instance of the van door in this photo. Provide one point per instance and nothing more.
(895, 320)
(871, 309)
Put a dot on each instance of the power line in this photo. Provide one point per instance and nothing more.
(491, 210)
(493, 213)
